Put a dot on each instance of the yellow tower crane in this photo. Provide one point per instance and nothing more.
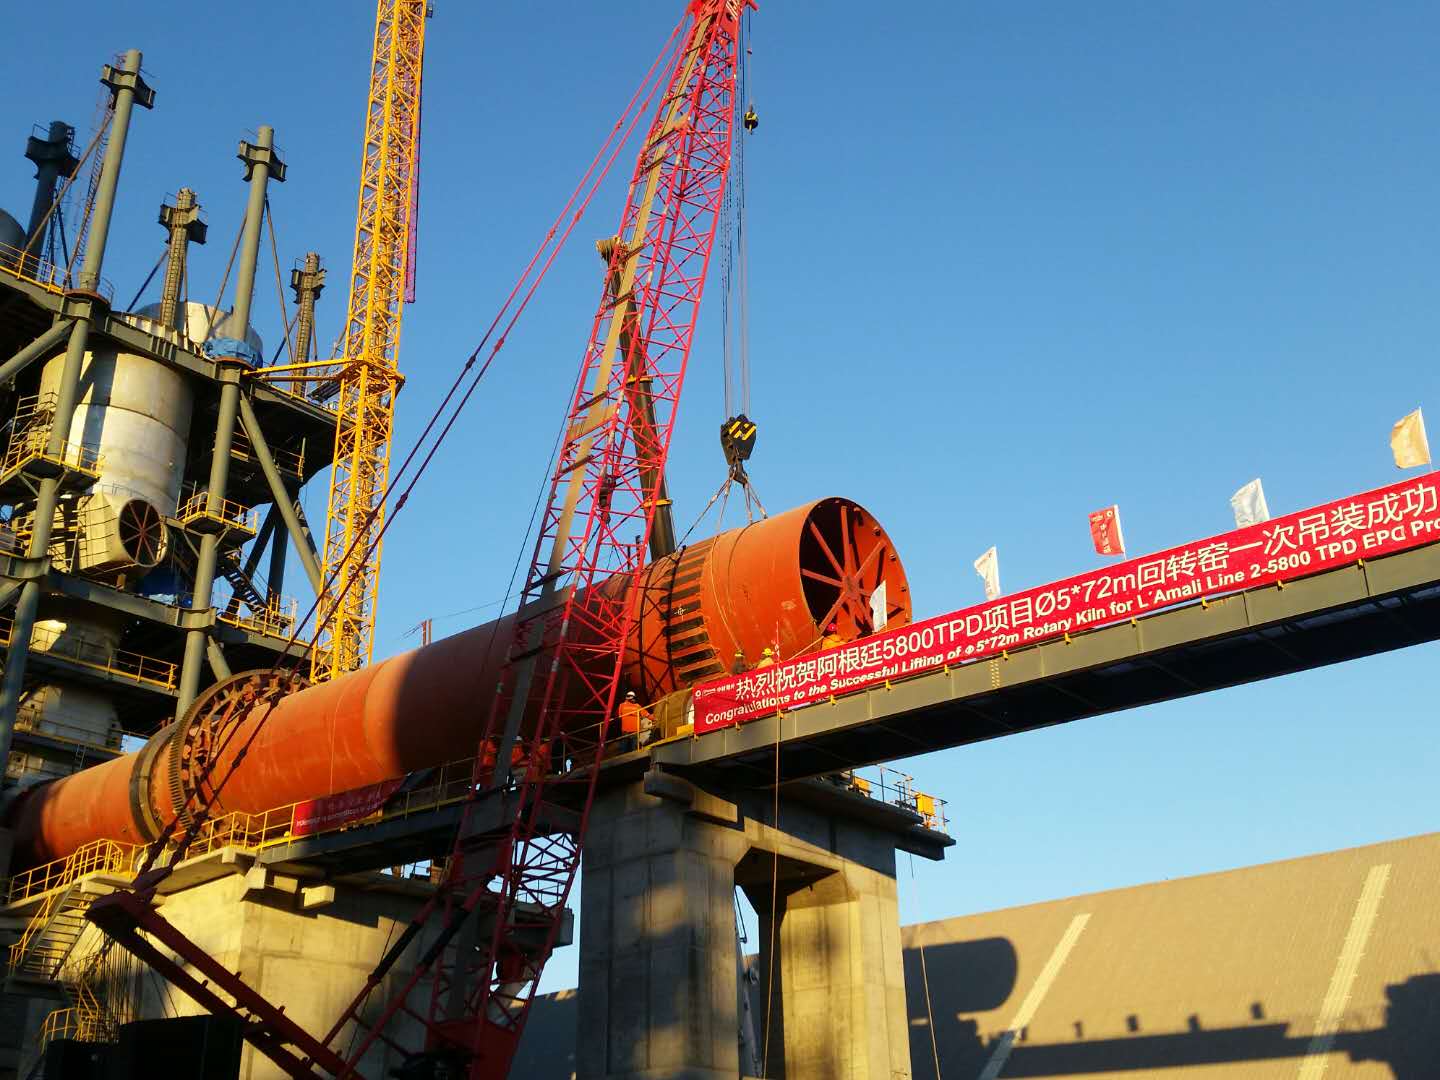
(369, 376)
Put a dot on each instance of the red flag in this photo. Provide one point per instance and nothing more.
(1105, 531)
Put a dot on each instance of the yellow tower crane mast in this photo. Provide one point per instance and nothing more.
(369, 375)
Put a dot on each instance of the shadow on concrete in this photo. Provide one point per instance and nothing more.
(547, 1049)
(975, 976)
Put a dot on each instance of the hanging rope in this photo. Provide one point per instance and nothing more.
(737, 433)
(574, 209)
(774, 910)
(287, 344)
(224, 280)
(929, 1015)
(744, 93)
(148, 278)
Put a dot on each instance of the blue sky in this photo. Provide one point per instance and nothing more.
(1009, 263)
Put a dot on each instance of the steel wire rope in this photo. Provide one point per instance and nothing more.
(64, 240)
(741, 240)
(158, 846)
(224, 280)
(107, 115)
(774, 906)
(547, 479)
(287, 344)
(929, 1015)
(148, 278)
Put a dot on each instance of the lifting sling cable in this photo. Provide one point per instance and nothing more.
(737, 432)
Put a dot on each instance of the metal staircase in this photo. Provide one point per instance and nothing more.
(52, 935)
(241, 584)
(43, 955)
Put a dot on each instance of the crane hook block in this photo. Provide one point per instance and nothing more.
(751, 120)
(737, 439)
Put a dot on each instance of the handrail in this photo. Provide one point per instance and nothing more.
(275, 618)
(287, 461)
(229, 512)
(96, 655)
(33, 719)
(98, 856)
(254, 832)
(33, 445)
(48, 275)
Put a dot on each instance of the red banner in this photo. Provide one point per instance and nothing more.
(317, 815)
(1390, 519)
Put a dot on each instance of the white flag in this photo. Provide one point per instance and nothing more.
(879, 607)
(1408, 442)
(1249, 505)
(988, 567)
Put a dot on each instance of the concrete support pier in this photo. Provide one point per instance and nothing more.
(658, 962)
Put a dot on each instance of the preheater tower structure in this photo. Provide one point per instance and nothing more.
(369, 377)
(139, 450)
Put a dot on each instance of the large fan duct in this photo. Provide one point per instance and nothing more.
(775, 583)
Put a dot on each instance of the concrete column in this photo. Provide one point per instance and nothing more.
(657, 948)
(657, 943)
(839, 980)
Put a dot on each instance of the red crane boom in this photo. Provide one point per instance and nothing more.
(559, 685)
(492, 924)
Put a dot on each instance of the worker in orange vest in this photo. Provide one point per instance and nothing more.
(634, 718)
(832, 638)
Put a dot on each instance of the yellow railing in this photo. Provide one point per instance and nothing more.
(77, 1022)
(32, 718)
(896, 788)
(30, 267)
(96, 857)
(98, 655)
(255, 832)
(275, 618)
(15, 539)
(86, 1021)
(227, 511)
(252, 832)
(30, 438)
(29, 446)
(287, 461)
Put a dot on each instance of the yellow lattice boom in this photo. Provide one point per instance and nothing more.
(369, 377)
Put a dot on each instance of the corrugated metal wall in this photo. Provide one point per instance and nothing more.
(1323, 966)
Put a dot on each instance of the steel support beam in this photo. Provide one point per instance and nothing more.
(127, 89)
(260, 160)
(12, 368)
(216, 656)
(284, 498)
